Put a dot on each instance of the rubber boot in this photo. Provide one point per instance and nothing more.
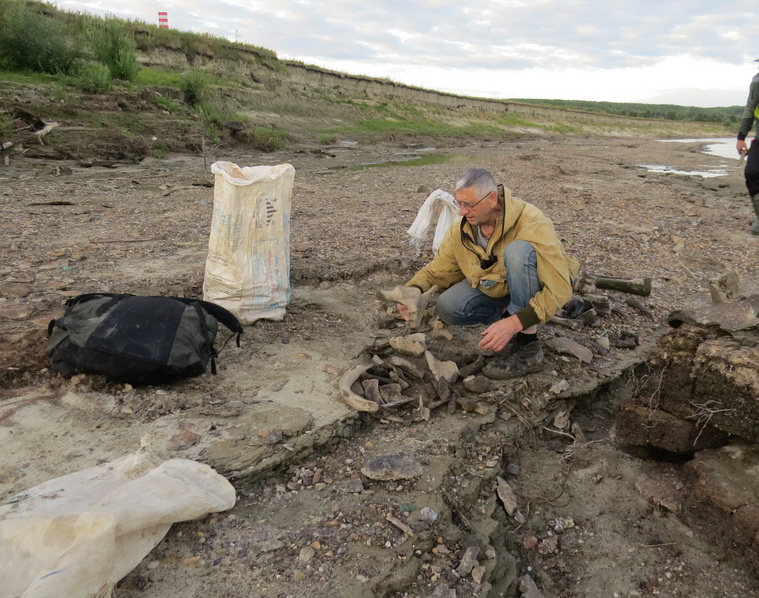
(755, 203)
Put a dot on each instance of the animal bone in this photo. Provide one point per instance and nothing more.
(351, 398)
(410, 345)
(407, 367)
(412, 298)
(371, 391)
(440, 329)
(445, 370)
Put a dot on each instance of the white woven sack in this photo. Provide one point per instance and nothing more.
(248, 264)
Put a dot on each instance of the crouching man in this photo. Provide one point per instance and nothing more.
(502, 265)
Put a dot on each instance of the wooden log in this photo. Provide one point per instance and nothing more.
(634, 286)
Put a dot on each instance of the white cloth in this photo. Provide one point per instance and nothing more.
(449, 213)
(78, 535)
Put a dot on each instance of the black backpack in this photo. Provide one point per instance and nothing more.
(140, 340)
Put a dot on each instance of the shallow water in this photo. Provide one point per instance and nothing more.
(723, 147)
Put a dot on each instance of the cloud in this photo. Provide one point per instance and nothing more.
(549, 43)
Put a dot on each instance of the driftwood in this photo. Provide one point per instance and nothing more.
(45, 130)
(634, 286)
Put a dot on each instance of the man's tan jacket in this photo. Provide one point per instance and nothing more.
(460, 257)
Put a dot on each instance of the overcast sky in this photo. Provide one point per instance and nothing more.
(688, 52)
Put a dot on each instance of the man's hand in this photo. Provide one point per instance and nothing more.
(741, 146)
(403, 310)
(496, 336)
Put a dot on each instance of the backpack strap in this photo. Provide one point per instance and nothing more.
(204, 329)
(222, 314)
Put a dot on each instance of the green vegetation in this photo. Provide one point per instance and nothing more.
(397, 129)
(167, 103)
(729, 115)
(269, 140)
(62, 53)
(6, 126)
(113, 45)
(327, 138)
(94, 78)
(195, 85)
(156, 78)
(30, 41)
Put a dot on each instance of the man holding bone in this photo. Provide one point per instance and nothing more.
(501, 265)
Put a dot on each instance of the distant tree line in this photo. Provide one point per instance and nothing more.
(729, 115)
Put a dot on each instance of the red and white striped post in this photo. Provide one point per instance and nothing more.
(163, 20)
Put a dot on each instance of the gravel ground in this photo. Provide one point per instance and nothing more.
(319, 526)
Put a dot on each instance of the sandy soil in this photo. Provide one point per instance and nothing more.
(587, 532)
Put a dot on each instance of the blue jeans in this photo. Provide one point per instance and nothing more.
(464, 306)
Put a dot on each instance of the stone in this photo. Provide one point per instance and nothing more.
(352, 486)
(443, 591)
(428, 514)
(15, 290)
(183, 440)
(529, 588)
(507, 496)
(393, 467)
(725, 288)
(549, 545)
(732, 316)
(477, 384)
(568, 346)
(306, 555)
(267, 437)
(478, 573)
(16, 311)
(469, 560)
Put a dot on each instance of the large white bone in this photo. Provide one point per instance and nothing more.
(351, 398)
(413, 299)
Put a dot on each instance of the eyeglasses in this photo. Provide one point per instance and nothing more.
(469, 206)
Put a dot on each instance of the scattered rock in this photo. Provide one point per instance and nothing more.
(469, 560)
(393, 467)
(267, 437)
(428, 514)
(507, 496)
(570, 347)
(529, 588)
(183, 440)
(477, 384)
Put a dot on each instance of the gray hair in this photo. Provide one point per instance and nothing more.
(479, 178)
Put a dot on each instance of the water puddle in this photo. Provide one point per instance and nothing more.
(723, 147)
(715, 172)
